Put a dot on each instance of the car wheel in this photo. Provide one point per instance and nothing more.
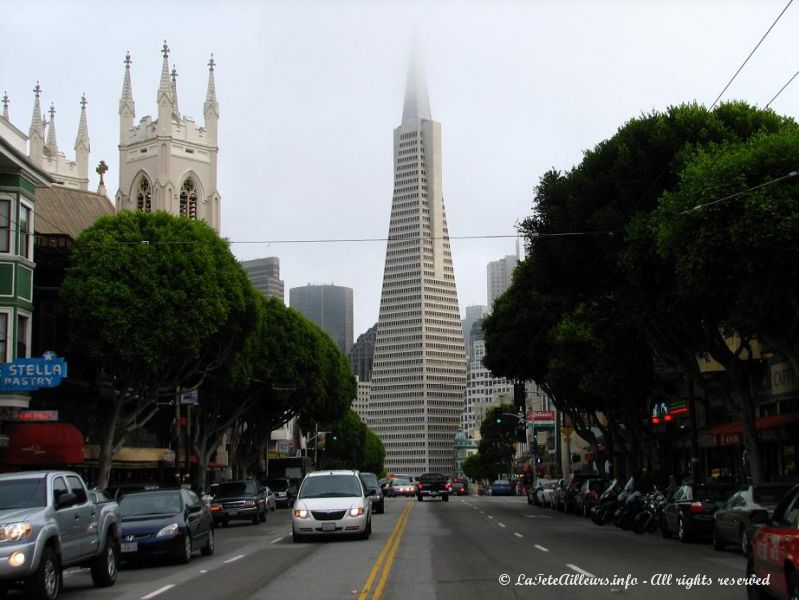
(746, 543)
(45, 583)
(717, 543)
(368, 531)
(682, 532)
(225, 522)
(529, 500)
(185, 551)
(208, 550)
(755, 592)
(419, 498)
(105, 566)
(256, 520)
(296, 537)
(445, 498)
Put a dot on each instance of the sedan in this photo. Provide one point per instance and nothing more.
(502, 487)
(689, 512)
(733, 522)
(775, 551)
(402, 487)
(165, 522)
(459, 489)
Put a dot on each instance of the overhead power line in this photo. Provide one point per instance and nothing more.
(729, 83)
(782, 89)
(741, 193)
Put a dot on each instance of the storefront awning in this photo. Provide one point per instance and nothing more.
(731, 434)
(129, 454)
(43, 444)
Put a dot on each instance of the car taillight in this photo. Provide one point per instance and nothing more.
(696, 507)
(420, 486)
(215, 508)
(447, 486)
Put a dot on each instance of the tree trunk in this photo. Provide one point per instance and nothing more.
(107, 444)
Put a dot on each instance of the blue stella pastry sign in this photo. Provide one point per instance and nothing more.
(28, 374)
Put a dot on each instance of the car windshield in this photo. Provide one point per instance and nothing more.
(234, 488)
(136, 505)
(331, 486)
(769, 495)
(23, 493)
(712, 493)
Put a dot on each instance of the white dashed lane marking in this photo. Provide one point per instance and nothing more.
(235, 558)
(160, 590)
(518, 535)
(579, 570)
(541, 548)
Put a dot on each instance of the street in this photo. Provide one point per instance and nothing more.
(449, 551)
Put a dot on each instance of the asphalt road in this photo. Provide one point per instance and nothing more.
(434, 550)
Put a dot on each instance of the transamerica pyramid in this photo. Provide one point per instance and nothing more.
(419, 369)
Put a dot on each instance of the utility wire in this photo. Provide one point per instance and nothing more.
(741, 193)
(729, 83)
(782, 89)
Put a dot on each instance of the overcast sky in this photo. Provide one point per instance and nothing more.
(310, 92)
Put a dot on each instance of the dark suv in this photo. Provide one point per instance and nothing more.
(432, 485)
(378, 500)
(244, 500)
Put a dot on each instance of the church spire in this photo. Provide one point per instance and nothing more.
(52, 145)
(83, 129)
(126, 99)
(5, 105)
(165, 87)
(417, 102)
(176, 110)
(210, 97)
(36, 121)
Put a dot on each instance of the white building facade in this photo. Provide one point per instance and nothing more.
(419, 370)
(169, 163)
(499, 276)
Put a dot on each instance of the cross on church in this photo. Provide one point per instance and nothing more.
(83, 102)
(174, 73)
(165, 50)
(37, 89)
(101, 170)
(5, 100)
(52, 111)
(127, 59)
(211, 62)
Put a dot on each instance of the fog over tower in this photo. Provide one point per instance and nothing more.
(419, 371)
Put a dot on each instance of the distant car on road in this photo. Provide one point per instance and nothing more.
(271, 501)
(433, 485)
(459, 488)
(402, 487)
(239, 500)
(285, 491)
(502, 487)
(378, 500)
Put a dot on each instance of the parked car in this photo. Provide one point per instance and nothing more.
(732, 522)
(332, 503)
(775, 550)
(557, 491)
(51, 522)
(378, 500)
(165, 522)
(534, 492)
(548, 491)
(239, 500)
(502, 487)
(588, 495)
(689, 511)
(285, 491)
(567, 496)
(402, 487)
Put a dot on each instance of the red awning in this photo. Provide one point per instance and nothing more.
(43, 444)
(763, 423)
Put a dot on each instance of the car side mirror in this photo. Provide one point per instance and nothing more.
(759, 517)
(371, 492)
(195, 508)
(65, 500)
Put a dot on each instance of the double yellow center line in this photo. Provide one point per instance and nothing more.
(385, 559)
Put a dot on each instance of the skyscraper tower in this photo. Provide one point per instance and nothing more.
(419, 371)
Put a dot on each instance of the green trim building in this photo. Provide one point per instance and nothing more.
(19, 178)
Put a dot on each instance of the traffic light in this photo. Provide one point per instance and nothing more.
(518, 396)
(521, 432)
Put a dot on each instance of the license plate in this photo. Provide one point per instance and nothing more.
(328, 526)
(130, 547)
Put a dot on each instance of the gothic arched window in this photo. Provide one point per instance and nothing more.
(188, 199)
(144, 195)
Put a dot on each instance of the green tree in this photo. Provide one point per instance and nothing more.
(155, 302)
(497, 439)
(475, 469)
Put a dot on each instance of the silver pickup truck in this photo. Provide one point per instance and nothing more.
(48, 522)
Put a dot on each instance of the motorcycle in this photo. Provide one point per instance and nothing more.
(647, 520)
(631, 504)
(605, 508)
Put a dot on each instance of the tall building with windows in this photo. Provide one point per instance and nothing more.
(329, 307)
(419, 370)
(169, 163)
(499, 277)
(264, 274)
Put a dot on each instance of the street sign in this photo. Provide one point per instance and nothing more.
(541, 418)
(191, 398)
(37, 415)
(29, 374)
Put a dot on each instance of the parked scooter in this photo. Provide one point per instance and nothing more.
(605, 508)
